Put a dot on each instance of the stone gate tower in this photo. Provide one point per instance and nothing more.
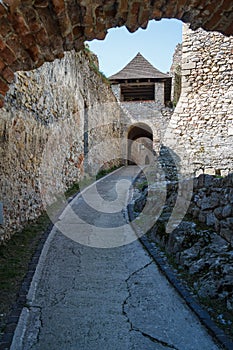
(140, 81)
(143, 93)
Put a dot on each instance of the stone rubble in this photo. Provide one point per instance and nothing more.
(198, 249)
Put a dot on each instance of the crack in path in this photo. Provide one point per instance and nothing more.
(156, 340)
(132, 327)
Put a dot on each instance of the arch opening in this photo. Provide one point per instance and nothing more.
(140, 145)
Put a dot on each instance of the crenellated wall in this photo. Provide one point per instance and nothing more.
(51, 131)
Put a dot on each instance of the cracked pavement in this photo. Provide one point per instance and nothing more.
(84, 297)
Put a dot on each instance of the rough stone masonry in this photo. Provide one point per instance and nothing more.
(201, 128)
(46, 117)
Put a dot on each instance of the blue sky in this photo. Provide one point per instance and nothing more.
(156, 43)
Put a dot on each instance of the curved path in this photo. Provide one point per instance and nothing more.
(96, 288)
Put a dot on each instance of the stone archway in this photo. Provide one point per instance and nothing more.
(39, 31)
(140, 144)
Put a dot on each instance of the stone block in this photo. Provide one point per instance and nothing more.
(189, 65)
(218, 213)
(227, 211)
(8, 75)
(199, 172)
(202, 217)
(227, 234)
(210, 202)
(1, 214)
(230, 131)
(209, 171)
(210, 219)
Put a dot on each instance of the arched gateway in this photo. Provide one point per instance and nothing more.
(140, 144)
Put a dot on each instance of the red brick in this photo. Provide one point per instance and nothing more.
(3, 11)
(123, 6)
(5, 27)
(3, 87)
(156, 14)
(144, 16)
(41, 3)
(214, 20)
(170, 10)
(48, 54)
(77, 32)
(8, 75)
(32, 20)
(48, 21)
(181, 8)
(65, 25)
(42, 38)
(101, 35)
(34, 53)
(79, 44)
(28, 40)
(57, 45)
(132, 20)
(2, 45)
(75, 13)
(20, 25)
(2, 65)
(8, 56)
(229, 31)
(1, 101)
(14, 44)
(59, 6)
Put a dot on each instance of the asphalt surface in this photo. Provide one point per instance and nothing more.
(96, 288)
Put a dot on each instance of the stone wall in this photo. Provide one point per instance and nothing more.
(175, 72)
(197, 250)
(212, 204)
(51, 129)
(151, 113)
(201, 128)
(147, 113)
(159, 92)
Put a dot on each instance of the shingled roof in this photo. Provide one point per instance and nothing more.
(139, 68)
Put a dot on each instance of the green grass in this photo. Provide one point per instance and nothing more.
(104, 172)
(142, 185)
(15, 256)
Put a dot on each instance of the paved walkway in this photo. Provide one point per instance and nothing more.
(88, 297)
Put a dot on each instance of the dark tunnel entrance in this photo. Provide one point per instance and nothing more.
(140, 144)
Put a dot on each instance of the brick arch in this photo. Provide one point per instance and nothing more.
(38, 31)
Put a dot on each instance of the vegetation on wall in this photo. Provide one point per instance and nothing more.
(94, 64)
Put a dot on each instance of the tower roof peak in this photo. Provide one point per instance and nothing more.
(138, 68)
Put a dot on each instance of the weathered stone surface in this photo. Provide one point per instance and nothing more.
(200, 127)
(47, 115)
(202, 252)
(227, 211)
(212, 205)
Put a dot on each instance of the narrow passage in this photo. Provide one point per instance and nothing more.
(87, 296)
